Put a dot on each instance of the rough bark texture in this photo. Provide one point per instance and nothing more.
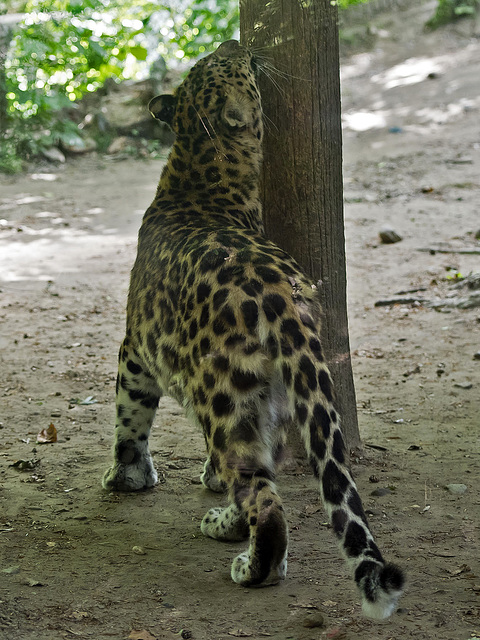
(302, 177)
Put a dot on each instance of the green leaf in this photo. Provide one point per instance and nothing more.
(140, 53)
(464, 10)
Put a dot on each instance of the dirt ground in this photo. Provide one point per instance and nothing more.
(77, 562)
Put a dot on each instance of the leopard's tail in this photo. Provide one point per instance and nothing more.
(310, 390)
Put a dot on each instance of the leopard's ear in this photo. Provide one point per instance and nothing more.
(163, 108)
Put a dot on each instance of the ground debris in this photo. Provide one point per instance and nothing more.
(456, 488)
(388, 235)
(145, 635)
(463, 385)
(47, 436)
(389, 302)
(464, 251)
(25, 465)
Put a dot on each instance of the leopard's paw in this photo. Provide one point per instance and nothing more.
(132, 470)
(225, 524)
(129, 477)
(210, 480)
(244, 573)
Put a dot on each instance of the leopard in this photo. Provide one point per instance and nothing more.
(228, 324)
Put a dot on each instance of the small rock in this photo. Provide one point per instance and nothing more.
(381, 491)
(476, 356)
(140, 551)
(82, 145)
(118, 145)
(456, 488)
(31, 582)
(54, 155)
(313, 620)
(11, 570)
(463, 385)
(411, 372)
(388, 235)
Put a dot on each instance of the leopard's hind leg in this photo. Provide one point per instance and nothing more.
(265, 561)
(137, 396)
(256, 512)
(243, 448)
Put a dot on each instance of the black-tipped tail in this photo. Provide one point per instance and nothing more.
(381, 586)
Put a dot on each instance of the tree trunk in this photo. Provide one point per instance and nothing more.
(302, 175)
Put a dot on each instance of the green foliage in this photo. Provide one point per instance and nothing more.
(344, 4)
(10, 161)
(65, 49)
(194, 29)
(451, 10)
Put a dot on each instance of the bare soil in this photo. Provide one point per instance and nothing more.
(77, 562)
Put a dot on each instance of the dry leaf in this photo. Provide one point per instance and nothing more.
(463, 569)
(31, 582)
(25, 465)
(329, 603)
(80, 615)
(310, 509)
(47, 436)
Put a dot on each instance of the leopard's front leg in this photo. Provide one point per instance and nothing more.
(137, 396)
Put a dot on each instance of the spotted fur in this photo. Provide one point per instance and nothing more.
(223, 320)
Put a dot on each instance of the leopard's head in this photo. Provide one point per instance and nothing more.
(219, 98)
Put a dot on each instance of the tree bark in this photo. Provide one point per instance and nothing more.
(302, 174)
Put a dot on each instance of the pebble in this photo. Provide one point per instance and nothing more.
(81, 145)
(140, 551)
(54, 155)
(313, 620)
(12, 570)
(476, 356)
(381, 491)
(388, 235)
(457, 489)
(118, 145)
(463, 385)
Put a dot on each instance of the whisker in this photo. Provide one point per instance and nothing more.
(212, 138)
(275, 83)
(279, 72)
